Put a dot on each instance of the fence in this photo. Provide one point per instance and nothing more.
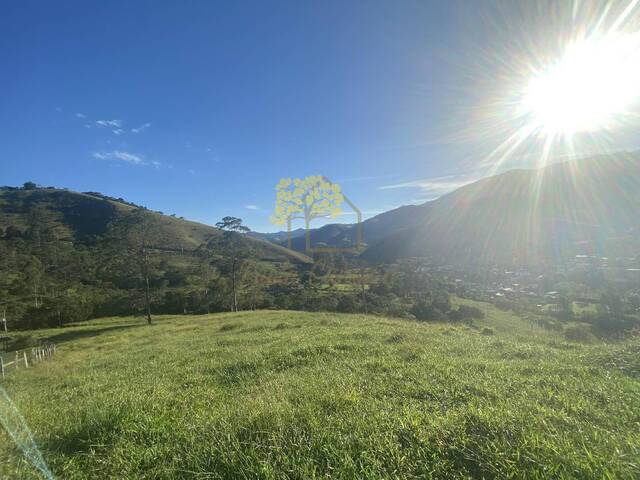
(38, 354)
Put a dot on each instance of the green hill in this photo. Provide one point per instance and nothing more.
(279, 395)
(81, 217)
(66, 256)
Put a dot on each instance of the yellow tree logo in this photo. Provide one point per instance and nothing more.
(306, 199)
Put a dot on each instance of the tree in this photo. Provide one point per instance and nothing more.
(234, 252)
(139, 222)
(29, 186)
(307, 199)
(127, 252)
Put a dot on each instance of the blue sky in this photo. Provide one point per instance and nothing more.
(198, 107)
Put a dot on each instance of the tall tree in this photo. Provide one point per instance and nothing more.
(140, 221)
(234, 249)
(128, 255)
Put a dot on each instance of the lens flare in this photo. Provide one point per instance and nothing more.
(552, 80)
(588, 89)
(17, 428)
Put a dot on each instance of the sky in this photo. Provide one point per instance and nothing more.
(199, 108)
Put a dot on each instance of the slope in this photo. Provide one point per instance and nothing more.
(306, 395)
(530, 216)
(82, 217)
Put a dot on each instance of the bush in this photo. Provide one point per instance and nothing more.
(578, 333)
(610, 324)
(425, 311)
(487, 331)
(347, 304)
(470, 312)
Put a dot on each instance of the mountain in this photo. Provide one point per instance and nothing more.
(374, 229)
(521, 216)
(277, 237)
(589, 206)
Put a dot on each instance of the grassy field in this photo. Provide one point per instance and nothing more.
(302, 395)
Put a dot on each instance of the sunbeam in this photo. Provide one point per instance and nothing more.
(18, 430)
(564, 86)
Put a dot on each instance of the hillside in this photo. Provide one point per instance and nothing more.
(307, 395)
(65, 256)
(588, 206)
(374, 229)
(531, 216)
(81, 217)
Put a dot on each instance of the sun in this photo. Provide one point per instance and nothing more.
(590, 88)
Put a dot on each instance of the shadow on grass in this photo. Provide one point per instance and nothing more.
(75, 334)
(88, 434)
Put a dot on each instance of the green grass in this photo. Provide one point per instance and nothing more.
(301, 395)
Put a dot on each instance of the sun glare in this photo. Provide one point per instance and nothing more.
(589, 88)
(568, 86)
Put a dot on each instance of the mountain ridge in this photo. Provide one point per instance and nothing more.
(523, 215)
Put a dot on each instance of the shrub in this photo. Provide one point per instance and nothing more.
(470, 312)
(610, 324)
(425, 311)
(578, 333)
(487, 331)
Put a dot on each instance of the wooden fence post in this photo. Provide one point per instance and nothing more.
(26, 363)
(2, 366)
(16, 362)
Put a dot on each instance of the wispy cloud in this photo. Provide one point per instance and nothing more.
(109, 123)
(118, 131)
(252, 207)
(127, 157)
(80, 115)
(141, 128)
(433, 187)
(363, 179)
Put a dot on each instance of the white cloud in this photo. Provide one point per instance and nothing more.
(433, 186)
(80, 115)
(141, 128)
(109, 123)
(252, 207)
(87, 125)
(118, 131)
(126, 157)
